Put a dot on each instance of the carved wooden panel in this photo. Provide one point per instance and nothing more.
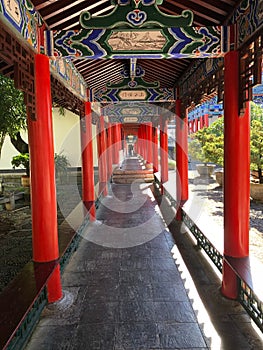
(250, 69)
(65, 98)
(205, 90)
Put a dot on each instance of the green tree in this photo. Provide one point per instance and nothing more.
(207, 144)
(256, 140)
(12, 111)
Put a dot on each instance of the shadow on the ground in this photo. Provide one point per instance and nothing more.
(216, 194)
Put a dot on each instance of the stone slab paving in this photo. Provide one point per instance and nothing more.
(122, 290)
(131, 285)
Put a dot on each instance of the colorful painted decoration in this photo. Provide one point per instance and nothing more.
(258, 94)
(249, 18)
(138, 29)
(187, 42)
(130, 109)
(197, 72)
(212, 108)
(133, 90)
(23, 18)
(135, 14)
(66, 71)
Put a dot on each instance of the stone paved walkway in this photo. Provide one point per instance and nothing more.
(132, 286)
(125, 292)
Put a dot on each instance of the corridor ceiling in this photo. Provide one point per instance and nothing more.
(64, 14)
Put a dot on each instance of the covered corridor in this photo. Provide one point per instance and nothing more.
(126, 68)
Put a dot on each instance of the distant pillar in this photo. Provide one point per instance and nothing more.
(116, 143)
(88, 188)
(189, 127)
(155, 149)
(109, 153)
(102, 161)
(236, 161)
(163, 149)
(201, 122)
(138, 141)
(149, 142)
(43, 186)
(181, 159)
(143, 139)
(196, 124)
(119, 138)
(206, 120)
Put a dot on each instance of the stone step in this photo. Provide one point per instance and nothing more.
(128, 180)
(132, 172)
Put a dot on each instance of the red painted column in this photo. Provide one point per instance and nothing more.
(142, 141)
(149, 142)
(119, 138)
(109, 152)
(115, 145)
(88, 188)
(191, 126)
(155, 150)
(43, 186)
(196, 124)
(163, 149)
(181, 158)
(145, 141)
(102, 161)
(206, 121)
(236, 187)
(201, 122)
(139, 141)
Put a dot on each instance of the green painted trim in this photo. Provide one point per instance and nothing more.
(136, 15)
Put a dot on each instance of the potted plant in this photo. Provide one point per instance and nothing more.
(22, 161)
(207, 146)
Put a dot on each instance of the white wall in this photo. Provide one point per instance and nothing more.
(66, 131)
(9, 151)
(66, 140)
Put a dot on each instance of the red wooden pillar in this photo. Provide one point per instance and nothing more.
(119, 138)
(113, 138)
(181, 159)
(206, 121)
(102, 161)
(155, 150)
(88, 188)
(142, 141)
(201, 122)
(145, 142)
(139, 141)
(115, 144)
(149, 142)
(43, 186)
(191, 126)
(236, 188)
(196, 124)
(163, 149)
(109, 153)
